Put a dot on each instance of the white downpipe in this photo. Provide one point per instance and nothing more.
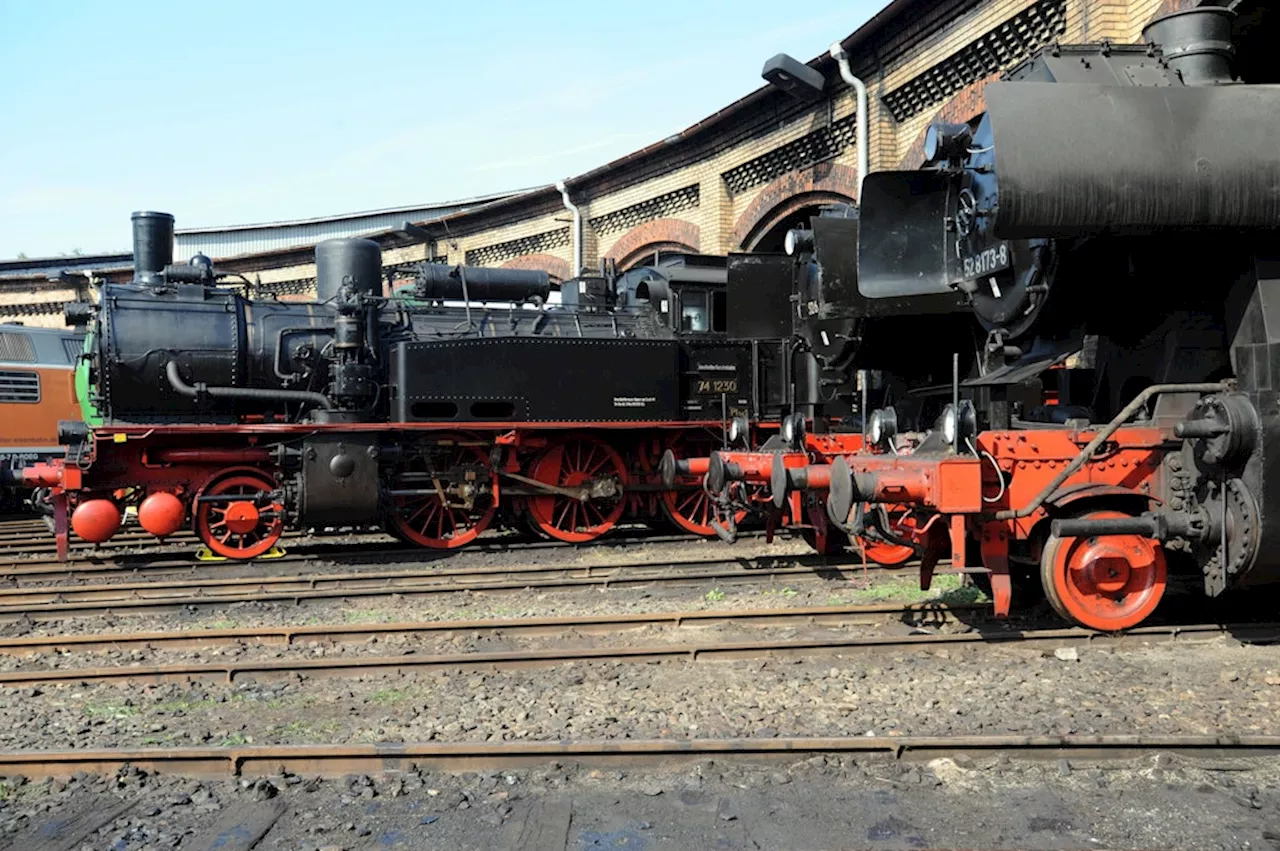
(577, 228)
(841, 57)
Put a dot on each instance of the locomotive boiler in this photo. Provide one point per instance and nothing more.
(1112, 223)
(434, 411)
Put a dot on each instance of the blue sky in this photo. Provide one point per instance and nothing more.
(232, 112)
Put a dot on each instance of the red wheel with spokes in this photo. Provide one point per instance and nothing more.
(445, 499)
(689, 505)
(245, 521)
(1107, 583)
(904, 524)
(597, 472)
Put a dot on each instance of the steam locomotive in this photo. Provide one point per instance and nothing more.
(435, 411)
(1112, 222)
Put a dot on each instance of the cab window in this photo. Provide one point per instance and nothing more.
(694, 313)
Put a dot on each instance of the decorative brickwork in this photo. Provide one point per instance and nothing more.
(490, 255)
(823, 183)
(284, 289)
(816, 147)
(663, 206)
(994, 51)
(554, 266)
(659, 235)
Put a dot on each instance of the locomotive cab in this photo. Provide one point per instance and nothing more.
(689, 292)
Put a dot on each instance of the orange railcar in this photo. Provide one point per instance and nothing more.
(37, 390)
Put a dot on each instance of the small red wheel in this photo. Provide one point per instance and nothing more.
(903, 523)
(578, 462)
(690, 506)
(242, 528)
(454, 513)
(1107, 583)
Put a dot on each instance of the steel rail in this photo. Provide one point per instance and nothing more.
(43, 612)
(216, 584)
(286, 636)
(285, 669)
(305, 549)
(394, 757)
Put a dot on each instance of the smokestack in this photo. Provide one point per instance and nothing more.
(1196, 43)
(152, 245)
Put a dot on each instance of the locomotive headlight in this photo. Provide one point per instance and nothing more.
(958, 424)
(949, 421)
(883, 427)
(945, 141)
(793, 429)
(797, 240)
(737, 430)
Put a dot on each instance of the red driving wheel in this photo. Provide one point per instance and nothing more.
(690, 506)
(244, 527)
(441, 520)
(1107, 583)
(573, 463)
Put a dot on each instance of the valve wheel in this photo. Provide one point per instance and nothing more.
(903, 523)
(691, 507)
(572, 463)
(441, 520)
(1107, 583)
(240, 528)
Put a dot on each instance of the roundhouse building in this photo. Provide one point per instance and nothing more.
(735, 181)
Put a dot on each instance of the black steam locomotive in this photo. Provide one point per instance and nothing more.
(434, 410)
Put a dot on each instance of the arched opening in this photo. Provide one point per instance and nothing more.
(771, 231)
(771, 241)
(652, 254)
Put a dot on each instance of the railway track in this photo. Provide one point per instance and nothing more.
(68, 601)
(710, 649)
(392, 758)
(298, 549)
(922, 614)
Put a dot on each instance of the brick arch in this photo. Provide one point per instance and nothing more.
(965, 104)
(554, 266)
(657, 235)
(823, 183)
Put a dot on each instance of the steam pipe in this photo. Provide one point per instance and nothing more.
(197, 390)
(1100, 438)
(841, 56)
(577, 228)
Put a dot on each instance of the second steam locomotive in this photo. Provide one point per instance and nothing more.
(1112, 221)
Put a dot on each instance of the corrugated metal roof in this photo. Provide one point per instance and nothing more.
(53, 265)
(239, 240)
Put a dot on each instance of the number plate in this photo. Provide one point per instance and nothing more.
(986, 261)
